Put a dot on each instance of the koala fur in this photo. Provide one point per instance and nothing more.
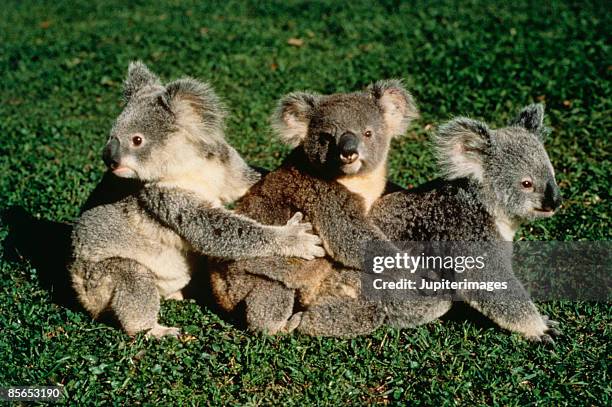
(494, 180)
(334, 174)
(168, 150)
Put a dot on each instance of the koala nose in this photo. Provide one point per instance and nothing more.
(552, 197)
(110, 155)
(349, 147)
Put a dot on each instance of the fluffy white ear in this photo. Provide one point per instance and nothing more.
(196, 103)
(397, 103)
(460, 147)
(138, 77)
(292, 116)
(531, 118)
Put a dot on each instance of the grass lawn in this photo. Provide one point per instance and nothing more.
(61, 68)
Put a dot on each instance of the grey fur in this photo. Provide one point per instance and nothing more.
(128, 252)
(531, 118)
(139, 77)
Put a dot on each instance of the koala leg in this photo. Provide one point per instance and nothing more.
(519, 316)
(177, 295)
(512, 310)
(269, 308)
(94, 285)
(341, 317)
(135, 301)
(124, 287)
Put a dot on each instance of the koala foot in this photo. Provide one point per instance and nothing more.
(298, 240)
(175, 296)
(160, 331)
(292, 323)
(283, 327)
(550, 331)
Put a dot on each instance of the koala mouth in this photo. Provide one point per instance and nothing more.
(352, 168)
(124, 172)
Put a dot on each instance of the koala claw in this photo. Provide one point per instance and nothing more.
(549, 322)
(316, 252)
(160, 331)
(295, 219)
(551, 327)
(308, 247)
(292, 323)
(549, 333)
(547, 339)
(544, 338)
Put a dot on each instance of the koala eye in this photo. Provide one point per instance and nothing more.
(368, 133)
(526, 184)
(137, 140)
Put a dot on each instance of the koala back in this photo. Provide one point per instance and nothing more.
(435, 211)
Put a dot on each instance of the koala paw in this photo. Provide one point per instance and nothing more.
(298, 240)
(178, 296)
(292, 323)
(549, 333)
(551, 327)
(160, 331)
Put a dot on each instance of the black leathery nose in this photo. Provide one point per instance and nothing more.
(552, 197)
(348, 146)
(110, 154)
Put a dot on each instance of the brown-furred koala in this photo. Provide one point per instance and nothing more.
(494, 180)
(338, 166)
(169, 142)
(334, 174)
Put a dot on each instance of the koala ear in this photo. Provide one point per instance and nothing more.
(531, 118)
(194, 103)
(397, 104)
(460, 148)
(138, 76)
(292, 116)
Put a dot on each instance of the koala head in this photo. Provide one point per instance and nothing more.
(510, 163)
(345, 134)
(163, 128)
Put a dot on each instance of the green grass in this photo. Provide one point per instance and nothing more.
(61, 68)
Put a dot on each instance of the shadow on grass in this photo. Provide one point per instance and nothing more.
(46, 246)
(461, 312)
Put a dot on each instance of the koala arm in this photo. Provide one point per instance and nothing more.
(217, 232)
(511, 308)
(344, 229)
(336, 214)
(348, 249)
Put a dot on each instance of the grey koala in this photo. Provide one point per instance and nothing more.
(334, 174)
(494, 180)
(169, 141)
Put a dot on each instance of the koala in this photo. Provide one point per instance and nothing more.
(334, 174)
(493, 181)
(167, 148)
